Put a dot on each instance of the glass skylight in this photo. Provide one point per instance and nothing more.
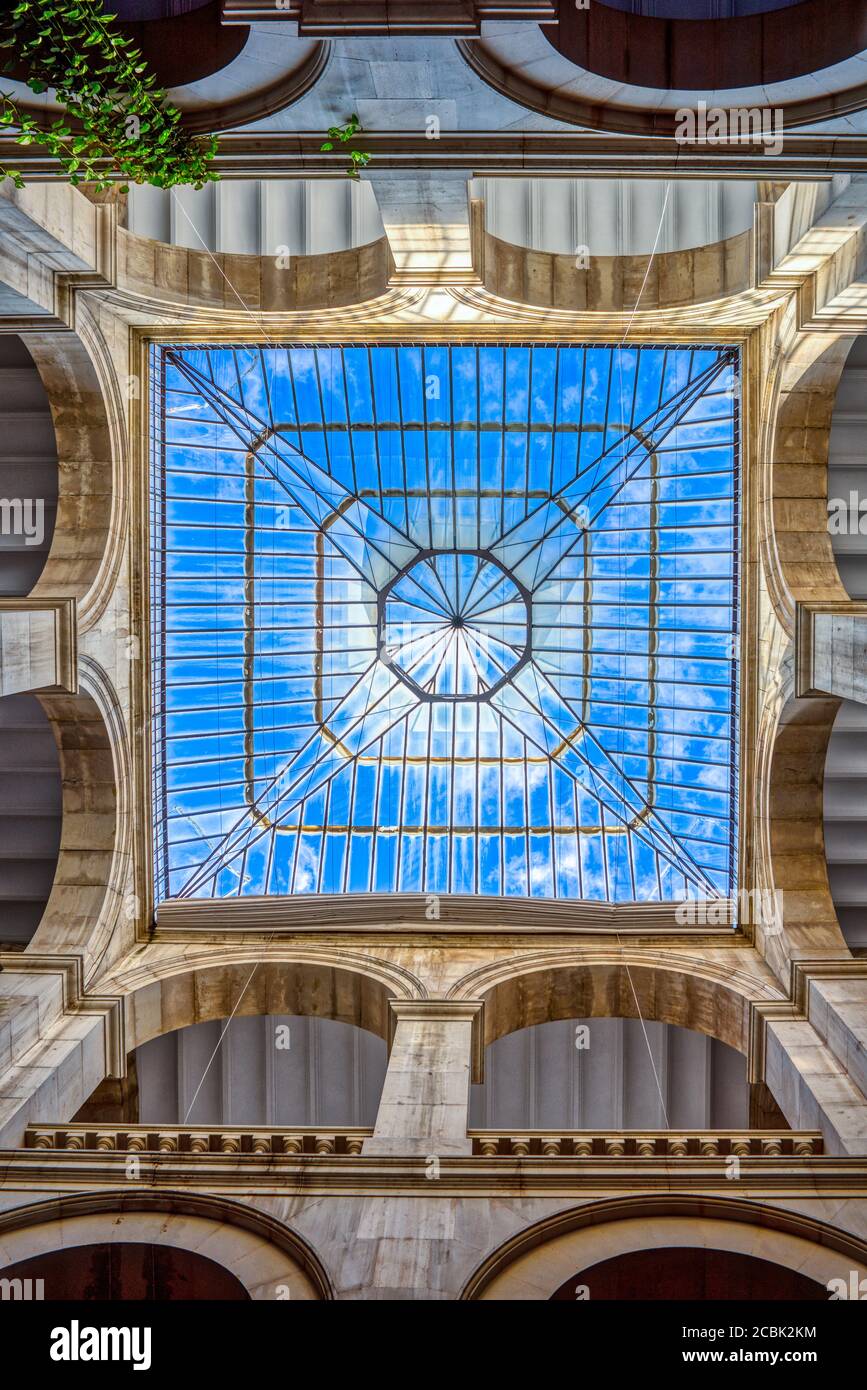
(445, 619)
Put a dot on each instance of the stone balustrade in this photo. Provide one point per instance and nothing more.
(684, 1143)
(196, 1139)
(268, 1141)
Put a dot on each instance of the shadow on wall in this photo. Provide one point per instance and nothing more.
(666, 49)
(182, 43)
(693, 9)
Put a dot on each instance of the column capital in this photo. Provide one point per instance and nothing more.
(38, 645)
(429, 224)
(444, 1011)
(831, 649)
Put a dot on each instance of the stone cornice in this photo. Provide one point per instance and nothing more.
(412, 916)
(761, 1014)
(76, 1000)
(334, 1175)
(265, 1140)
(796, 1008)
(441, 18)
(69, 967)
(510, 152)
(803, 972)
(65, 630)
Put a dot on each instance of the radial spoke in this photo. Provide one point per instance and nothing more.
(373, 545)
(533, 555)
(572, 750)
(602, 763)
(350, 731)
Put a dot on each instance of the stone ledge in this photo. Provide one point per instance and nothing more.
(264, 1140)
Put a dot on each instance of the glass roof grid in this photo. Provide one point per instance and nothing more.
(389, 683)
(158, 500)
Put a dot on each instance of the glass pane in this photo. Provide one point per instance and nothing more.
(440, 619)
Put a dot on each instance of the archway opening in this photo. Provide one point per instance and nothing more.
(663, 48)
(688, 1273)
(124, 1271)
(28, 470)
(613, 988)
(613, 1073)
(30, 817)
(278, 1069)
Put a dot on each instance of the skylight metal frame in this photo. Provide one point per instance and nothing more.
(431, 428)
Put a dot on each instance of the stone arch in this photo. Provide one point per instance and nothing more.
(159, 271)
(690, 992)
(549, 280)
(88, 426)
(795, 834)
(798, 406)
(600, 64)
(260, 83)
(325, 984)
(88, 897)
(259, 1250)
(533, 1264)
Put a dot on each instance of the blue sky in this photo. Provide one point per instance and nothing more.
(445, 619)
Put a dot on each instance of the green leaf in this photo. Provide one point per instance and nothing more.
(101, 79)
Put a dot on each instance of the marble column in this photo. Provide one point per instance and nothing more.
(427, 221)
(436, 1051)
